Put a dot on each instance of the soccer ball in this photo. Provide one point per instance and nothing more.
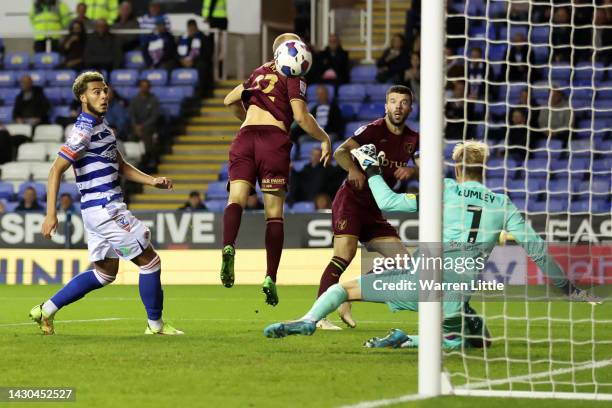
(293, 58)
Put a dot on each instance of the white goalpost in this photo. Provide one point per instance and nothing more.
(533, 80)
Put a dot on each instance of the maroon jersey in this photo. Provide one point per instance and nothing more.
(399, 149)
(273, 92)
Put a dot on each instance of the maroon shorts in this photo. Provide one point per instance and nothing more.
(352, 216)
(260, 153)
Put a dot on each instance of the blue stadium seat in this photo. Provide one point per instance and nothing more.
(604, 91)
(171, 110)
(169, 94)
(603, 164)
(134, 60)
(17, 60)
(495, 183)
(557, 204)
(124, 77)
(511, 92)
(59, 111)
(560, 185)
(61, 77)
(311, 92)
(46, 60)
(497, 110)
(540, 35)
(127, 92)
(584, 73)
(157, 77)
(495, 53)
(601, 184)
(306, 148)
(560, 73)
(348, 111)
(217, 190)
(8, 95)
(67, 94)
(6, 191)
(351, 93)
(41, 189)
(298, 165)
(363, 73)
(8, 79)
(302, 207)
(580, 206)
(371, 111)
(536, 206)
(377, 92)
(6, 114)
(216, 206)
(601, 205)
(184, 76)
(224, 172)
(54, 94)
(39, 77)
(11, 206)
(69, 188)
(188, 90)
(541, 53)
(352, 127)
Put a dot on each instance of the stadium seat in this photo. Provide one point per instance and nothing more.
(216, 206)
(188, 90)
(11, 206)
(603, 164)
(601, 205)
(48, 133)
(540, 35)
(184, 76)
(348, 111)
(363, 73)
(560, 73)
(536, 206)
(32, 152)
(59, 111)
(589, 73)
(495, 53)
(559, 185)
(377, 92)
(133, 152)
(6, 114)
(54, 95)
(8, 79)
(157, 77)
(69, 177)
(46, 60)
(371, 111)
(557, 205)
(124, 77)
(67, 94)
(127, 92)
(171, 110)
(541, 54)
(311, 92)
(134, 60)
(6, 191)
(298, 165)
(302, 207)
(23, 129)
(580, 206)
(351, 93)
(69, 188)
(352, 127)
(306, 148)
(52, 149)
(39, 77)
(40, 171)
(17, 60)
(224, 172)
(168, 94)
(16, 172)
(41, 189)
(217, 190)
(8, 95)
(61, 77)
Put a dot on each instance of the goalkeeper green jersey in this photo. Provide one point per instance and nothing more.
(473, 214)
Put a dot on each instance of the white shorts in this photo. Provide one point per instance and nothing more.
(113, 232)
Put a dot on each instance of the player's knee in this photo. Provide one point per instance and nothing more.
(152, 266)
(104, 278)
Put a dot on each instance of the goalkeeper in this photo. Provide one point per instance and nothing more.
(473, 215)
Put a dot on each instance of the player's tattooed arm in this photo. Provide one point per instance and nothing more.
(59, 167)
(131, 173)
(233, 100)
(309, 124)
(343, 157)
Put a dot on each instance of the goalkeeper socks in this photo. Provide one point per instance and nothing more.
(74, 290)
(327, 303)
(231, 223)
(275, 236)
(151, 293)
(331, 274)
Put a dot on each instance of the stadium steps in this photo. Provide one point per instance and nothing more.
(197, 156)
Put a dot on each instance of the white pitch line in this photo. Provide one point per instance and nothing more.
(387, 402)
(527, 377)
(108, 319)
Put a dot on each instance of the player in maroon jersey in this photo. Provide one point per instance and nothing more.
(266, 103)
(355, 215)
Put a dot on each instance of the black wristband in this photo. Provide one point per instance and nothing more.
(373, 170)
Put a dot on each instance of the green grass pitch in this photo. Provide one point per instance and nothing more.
(224, 360)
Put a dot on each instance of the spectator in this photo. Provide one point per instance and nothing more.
(334, 60)
(518, 12)
(149, 21)
(455, 27)
(6, 145)
(81, 17)
(518, 135)
(73, 46)
(556, 119)
(214, 12)
(194, 51)
(412, 76)
(48, 15)
(517, 61)
(530, 108)
(394, 61)
(603, 25)
(144, 116)
(102, 48)
(194, 203)
(102, 9)
(455, 111)
(561, 35)
(478, 74)
(412, 28)
(2, 207)
(31, 104)
(159, 50)
(29, 201)
(327, 114)
(66, 203)
(117, 114)
(253, 203)
(322, 202)
(126, 21)
(315, 179)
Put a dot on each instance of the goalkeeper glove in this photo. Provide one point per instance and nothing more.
(368, 160)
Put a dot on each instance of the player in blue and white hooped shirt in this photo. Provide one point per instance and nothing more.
(112, 231)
